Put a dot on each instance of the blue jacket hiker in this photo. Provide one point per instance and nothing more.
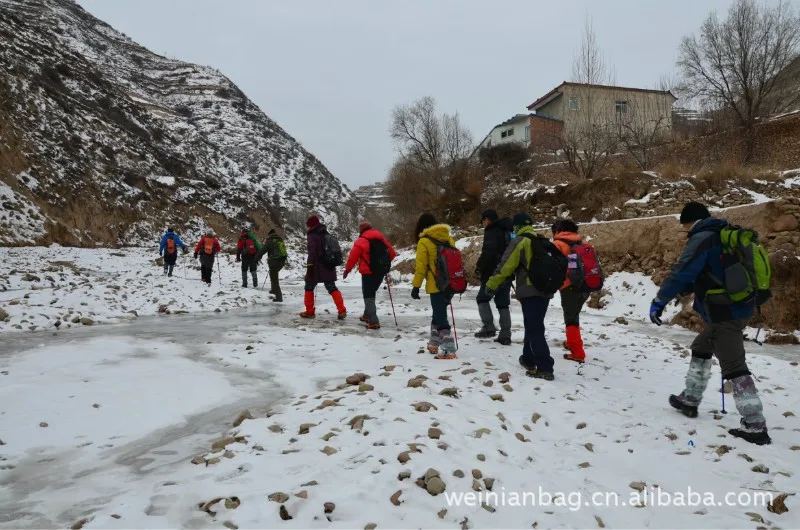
(698, 270)
(169, 249)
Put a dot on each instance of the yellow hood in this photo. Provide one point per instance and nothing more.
(440, 232)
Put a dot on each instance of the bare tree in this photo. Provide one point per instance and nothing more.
(737, 63)
(587, 140)
(430, 143)
(646, 124)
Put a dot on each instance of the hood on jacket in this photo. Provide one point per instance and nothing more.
(371, 233)
(505, 224)
(527, 229)
(440, 232)
(710, 224)
(567, 237)
(318, 229)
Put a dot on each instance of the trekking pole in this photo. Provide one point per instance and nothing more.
(722, 389)
(453, 314)
(389, 288)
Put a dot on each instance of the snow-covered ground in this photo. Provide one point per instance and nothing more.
(103, 423)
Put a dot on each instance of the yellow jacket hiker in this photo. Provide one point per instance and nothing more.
(426, 256)
(441, 341)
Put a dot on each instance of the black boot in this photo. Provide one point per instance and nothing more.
(505, 341)
(687, 410)
(485, 333)
(758, 438)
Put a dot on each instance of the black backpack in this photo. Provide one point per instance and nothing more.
(331, 251)
(379, 261)
(548, 268)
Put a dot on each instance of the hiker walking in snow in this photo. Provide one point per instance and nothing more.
(583, 277)
(323, 258)
(373, 254)
(540, 269)
(275, 250)
(429, 233)
(701, 269)
(207, 248)
(496, 236)
(248, 251)
(169, 249)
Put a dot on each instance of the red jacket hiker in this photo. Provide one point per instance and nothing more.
(202, 246)
(360, 251)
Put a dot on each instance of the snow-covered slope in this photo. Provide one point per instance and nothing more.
(105, 142)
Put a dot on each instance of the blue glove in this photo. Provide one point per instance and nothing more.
(656, 309)
(415, 293)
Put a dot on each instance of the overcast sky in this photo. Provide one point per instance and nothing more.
(329, 72)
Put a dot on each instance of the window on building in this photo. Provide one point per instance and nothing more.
(510, 132)
(573, 103)
(527, 132)
(621, 107)
(503, 134)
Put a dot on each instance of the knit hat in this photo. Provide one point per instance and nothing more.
(312, 222)
(694, 211)
(490, 215)
(245, 233)
(364, 226)
(170, 229)
(522, 219)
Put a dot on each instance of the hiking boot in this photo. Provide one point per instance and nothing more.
(376, 325)
(434, 341)
(505, 341)
(485, 333)
(342, 315)
(445, 355)
(277, 299)
(538, 374)
(758, 438)
(244, 284)
(447, 348)
(364, 318)
(306, 314)
(573, 357)
(528, 367)
(687, 410)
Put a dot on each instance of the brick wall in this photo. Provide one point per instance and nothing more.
(545, 133)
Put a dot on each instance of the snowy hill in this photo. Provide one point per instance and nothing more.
(103, 142)
(374, 195)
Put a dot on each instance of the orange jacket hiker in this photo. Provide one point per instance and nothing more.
(563, 241)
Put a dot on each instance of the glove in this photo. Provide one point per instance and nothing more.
(415, 293)
(160, 253)
(656, 310)
(344, 276)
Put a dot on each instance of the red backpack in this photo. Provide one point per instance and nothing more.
(583, 267)
(449, 274)
(250, 247)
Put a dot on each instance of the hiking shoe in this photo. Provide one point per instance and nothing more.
(572, 357)
(376, 325)
(432, 349)
(445, 355)
(342, 315)
(485, 333)
(538, 374)
(758, 438)
(364, 318)
(306, 314)
(687, 410)
(505, 341)
(244, 284)
(526, 365)
(277, 299)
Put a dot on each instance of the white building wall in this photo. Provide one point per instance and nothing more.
(520, 133)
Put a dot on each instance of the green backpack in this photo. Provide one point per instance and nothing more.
(747, 269)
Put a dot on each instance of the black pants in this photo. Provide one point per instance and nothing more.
(169, 262)
(249, 265)
(329, 286)
(206, 267)
(535, 351)
(439, 303)
(572, 300)
(370, 283)
(274, 281)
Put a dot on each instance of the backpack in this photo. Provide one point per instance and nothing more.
(748, 272)
(331, 251)
(548, 268)
(379, 261)
(208, 247)
(277, 250)
(250, 247)
(583, 267)
(171, 248)
(449, 273)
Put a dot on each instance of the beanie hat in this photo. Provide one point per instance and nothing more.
(170, 229)
(364, 226)
(692, 212)
(522, 219)
(245, 233)
(490, 215)
(312, 222)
